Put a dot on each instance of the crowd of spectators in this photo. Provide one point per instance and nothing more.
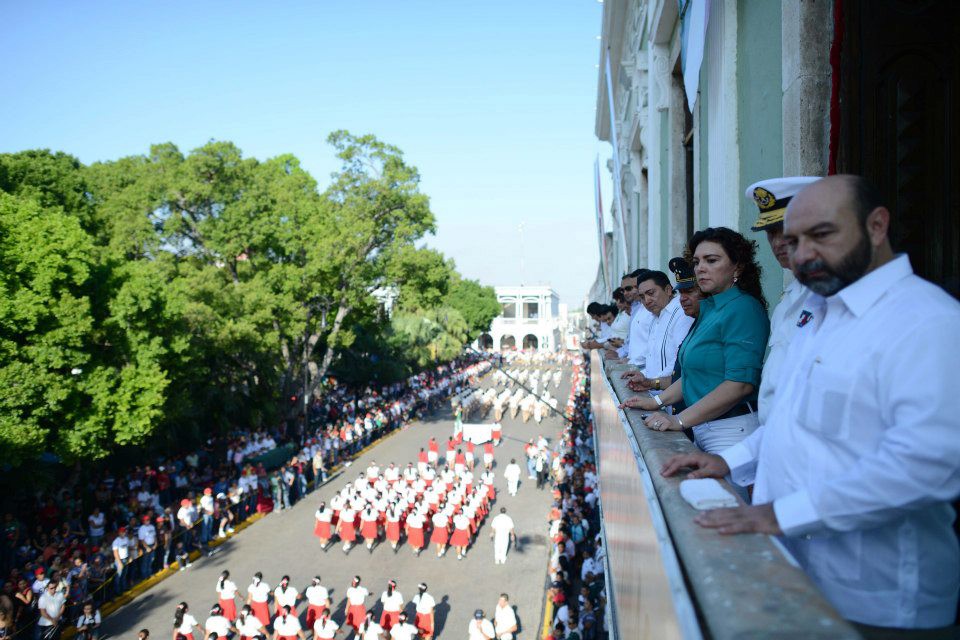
(577, 587)
(101, 532)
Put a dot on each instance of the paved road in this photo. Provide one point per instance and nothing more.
(283, 543)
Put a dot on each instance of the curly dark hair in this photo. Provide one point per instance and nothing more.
(742, 252)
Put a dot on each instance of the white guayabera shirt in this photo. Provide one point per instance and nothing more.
(859, 460)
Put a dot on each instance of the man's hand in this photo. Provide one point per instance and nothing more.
(704, 465)
(610, 355)
(758, 518)
(628, 375)
(640, 402)
(641, 383)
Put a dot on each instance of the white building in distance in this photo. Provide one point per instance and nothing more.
(530, 320)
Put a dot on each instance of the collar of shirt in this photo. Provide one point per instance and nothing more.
(719, 300)
(864, 293)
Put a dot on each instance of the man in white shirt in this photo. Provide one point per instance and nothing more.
(121, 560)
(855, 467)
(502, 533)
(512, 475)
(669, 327)
(147, 536)
(772, 197)
(480, 628)
(50, 606)
(504, 618)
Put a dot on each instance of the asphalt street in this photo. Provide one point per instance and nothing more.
(283, 543)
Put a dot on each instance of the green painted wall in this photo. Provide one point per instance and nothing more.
(759, 114)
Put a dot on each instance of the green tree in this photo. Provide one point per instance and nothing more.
(476, 303)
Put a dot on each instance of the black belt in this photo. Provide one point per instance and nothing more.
(741, 409)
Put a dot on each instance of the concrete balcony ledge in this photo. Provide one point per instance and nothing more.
(740, 587)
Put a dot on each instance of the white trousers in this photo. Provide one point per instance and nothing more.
(500, 550)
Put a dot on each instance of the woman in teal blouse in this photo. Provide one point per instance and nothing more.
(722, 357)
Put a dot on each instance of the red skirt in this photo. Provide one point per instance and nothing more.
(393, 531)
(369, 529)
(388, 619)
(322, 530)
(496, 435)
(313, 612)
(261, 612)
(491, 492)
(229, 609)
(439, 535)
(355, 615)
(415, 537)
(347, 532)
(460, 537)
(424, 624)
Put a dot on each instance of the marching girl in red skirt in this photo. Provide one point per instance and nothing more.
(286, 626)
(183, 623)
(249, 625)
(394, 516)
(318, 599)
(496, 434)
(346, 529)
(369, 528)
(323, 528)
(356, 611)
(414, 526)
(440, 534)
(325, 628)
(487, 479)
(217, 625)
(459, 462)
(258, 595)
(285, 596)
(227, 596)
(468, 456)
(392, 602)
(460, 539)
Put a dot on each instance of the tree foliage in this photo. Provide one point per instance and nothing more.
(163, 297)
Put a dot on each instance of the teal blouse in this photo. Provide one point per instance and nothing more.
(727, 342)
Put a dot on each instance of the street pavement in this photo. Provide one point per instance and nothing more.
(283, 543)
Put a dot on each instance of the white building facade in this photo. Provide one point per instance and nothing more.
(530, 320)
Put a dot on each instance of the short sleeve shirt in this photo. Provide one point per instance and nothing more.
(727, 342)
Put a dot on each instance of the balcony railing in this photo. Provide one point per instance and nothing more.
(671, 578)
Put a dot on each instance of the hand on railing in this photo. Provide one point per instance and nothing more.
(704, 465)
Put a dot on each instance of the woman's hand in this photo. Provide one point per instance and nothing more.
(641, 383)
(640, 402)
(660, 421)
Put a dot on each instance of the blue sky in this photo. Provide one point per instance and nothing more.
(493, 101)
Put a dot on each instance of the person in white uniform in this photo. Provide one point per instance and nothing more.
(480, 628)
(772, 197)
(504, 618)
(502, 532)
(855, 467)
(217, 625)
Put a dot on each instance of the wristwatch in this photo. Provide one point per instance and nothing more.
(659, 401)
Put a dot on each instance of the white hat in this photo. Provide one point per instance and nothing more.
(772, 196)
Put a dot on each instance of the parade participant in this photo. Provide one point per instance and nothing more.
(392, 602)
(433, 451)
(217, 625)
(440, 533)
(318, 599)
(323, 526)
(286, 626)
(324, 628)
(370, 630)
(369, 527)
(488, 452)
(468, 455)
(183, 623)
(414, 528)
(425, 605)
(249, 625)
(504, 618)
(346, 528)
(854, 469)
(459, 462)
(227, 595)
(502, 533)
(422, 460)
(496, 433)
(410, 474)
(772, 197)
(460, 539)
(356, 611)
(451, 453)
(258, 597)
(403, 630)
(480, 628)
(394, 516)
(512, 475)
(285, 596)
(487, 479)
